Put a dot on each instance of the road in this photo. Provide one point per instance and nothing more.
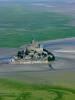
(64, 65)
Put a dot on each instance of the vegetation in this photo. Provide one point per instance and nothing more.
(13, 90)
(19, 25)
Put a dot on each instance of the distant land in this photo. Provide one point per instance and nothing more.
(23, 20)
(67, 6)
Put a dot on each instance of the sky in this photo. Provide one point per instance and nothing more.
(69, 1)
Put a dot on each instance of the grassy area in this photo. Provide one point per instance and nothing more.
(19, 25)
(13, 90)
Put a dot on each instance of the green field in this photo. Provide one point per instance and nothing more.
(19, 25)
(13, 90)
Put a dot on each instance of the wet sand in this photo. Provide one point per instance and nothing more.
(64, 66)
